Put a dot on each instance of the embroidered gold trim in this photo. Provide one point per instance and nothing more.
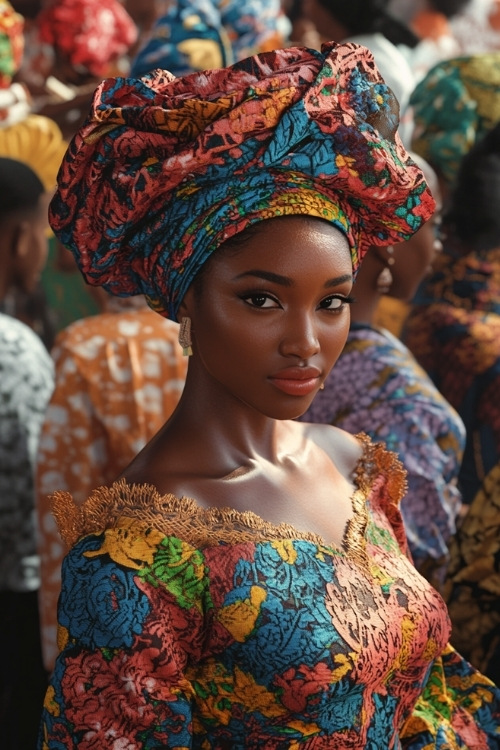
(204, 527)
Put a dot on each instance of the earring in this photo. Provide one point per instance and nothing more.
(322, 387)
(385, 278)
(185, 337)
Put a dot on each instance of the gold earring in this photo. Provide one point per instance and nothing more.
(322, 387)
(185, 337)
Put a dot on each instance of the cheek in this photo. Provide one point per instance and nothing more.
(335, 338)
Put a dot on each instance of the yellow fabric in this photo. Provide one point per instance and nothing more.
(38, 142)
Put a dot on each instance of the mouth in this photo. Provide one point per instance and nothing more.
(297, 381)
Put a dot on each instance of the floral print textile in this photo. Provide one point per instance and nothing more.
(454, 106)
(393, 399)
(200, 34)
(453, 330)
(185, 627)
(26, 383)
(164, 170)
(119, 376)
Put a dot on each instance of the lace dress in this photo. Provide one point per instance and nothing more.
(183, 627)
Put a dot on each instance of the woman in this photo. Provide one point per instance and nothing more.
(400, 406)
(454, 332)
(240, 202)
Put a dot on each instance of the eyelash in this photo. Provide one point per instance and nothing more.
(348, 300)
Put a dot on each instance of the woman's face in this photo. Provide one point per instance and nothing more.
(271, 315)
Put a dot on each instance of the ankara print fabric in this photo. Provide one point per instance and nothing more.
(453, 330)
(165, 170)
(204, 34)
(119, 376)
(26, 383)
(183, 627)
(394, 401)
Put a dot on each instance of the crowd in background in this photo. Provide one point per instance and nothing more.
(86, 380)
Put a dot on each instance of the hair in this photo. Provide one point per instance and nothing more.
(449, 8)
(474, 209)
(20, 187)
(368, 17)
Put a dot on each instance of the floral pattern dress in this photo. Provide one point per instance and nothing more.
(184, 627)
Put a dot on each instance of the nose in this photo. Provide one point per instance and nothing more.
(300, 337)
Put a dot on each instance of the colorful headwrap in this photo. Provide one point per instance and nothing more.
(11, 43)
(165, 170)
(91, 33)
(188, 37)
(456, 104)
(200, 34)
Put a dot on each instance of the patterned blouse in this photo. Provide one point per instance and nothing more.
(26, 383)
(185, 627)
(394, 401)
(119, 376)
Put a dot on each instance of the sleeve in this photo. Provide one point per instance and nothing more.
(131, 616)
(458, 709)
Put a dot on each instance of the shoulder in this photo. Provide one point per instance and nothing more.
(345, 450)
(21, 346)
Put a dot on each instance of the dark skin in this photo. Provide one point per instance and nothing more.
(411, 261)
(277, 303)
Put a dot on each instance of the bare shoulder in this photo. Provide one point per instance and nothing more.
(344, 449)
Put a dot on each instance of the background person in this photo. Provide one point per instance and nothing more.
(26, 382)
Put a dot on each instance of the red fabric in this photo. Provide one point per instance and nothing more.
(90, 33)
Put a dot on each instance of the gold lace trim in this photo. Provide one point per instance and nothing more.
(204, 527)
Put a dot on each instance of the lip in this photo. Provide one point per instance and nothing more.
(297, 381)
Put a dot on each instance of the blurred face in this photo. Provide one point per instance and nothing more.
(325, 23)
(413, 259)
(270, 316)
(33, 247)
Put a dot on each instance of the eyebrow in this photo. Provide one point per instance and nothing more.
(276, 278)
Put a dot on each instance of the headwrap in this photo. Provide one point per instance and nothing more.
(90, 33)
(454, 106)
(165, 170)
(11, 43)
(189, 36)
(200, 34)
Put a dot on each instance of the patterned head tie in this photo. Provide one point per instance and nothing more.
(11, 42)
(165, 170)
(92, 34)
(454, 106)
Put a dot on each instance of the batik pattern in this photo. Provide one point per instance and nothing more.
(189, 628)
(453, 330)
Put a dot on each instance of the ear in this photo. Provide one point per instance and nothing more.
(21, 240)
(186, 308)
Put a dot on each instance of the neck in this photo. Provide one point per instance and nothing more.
(236, 432)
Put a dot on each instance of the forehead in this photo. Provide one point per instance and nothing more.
(289, 242)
